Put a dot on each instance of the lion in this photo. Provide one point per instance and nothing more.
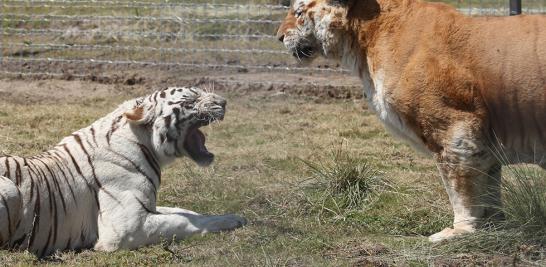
(460, 89)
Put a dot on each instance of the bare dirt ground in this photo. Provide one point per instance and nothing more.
(102, 80)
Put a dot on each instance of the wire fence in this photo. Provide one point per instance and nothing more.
(99, 37)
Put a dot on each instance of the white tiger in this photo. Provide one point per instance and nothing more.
(98, 187)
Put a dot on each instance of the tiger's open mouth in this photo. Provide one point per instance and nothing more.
(194, 144)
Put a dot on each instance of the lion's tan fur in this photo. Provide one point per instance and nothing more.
(453, 86)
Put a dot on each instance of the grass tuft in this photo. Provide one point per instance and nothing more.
(343, 185)
(524, 198)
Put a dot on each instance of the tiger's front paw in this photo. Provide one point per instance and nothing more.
(224, 223)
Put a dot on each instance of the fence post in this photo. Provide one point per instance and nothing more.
(1, 35)
(515, 7)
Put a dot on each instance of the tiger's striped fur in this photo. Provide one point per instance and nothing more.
(98, 187)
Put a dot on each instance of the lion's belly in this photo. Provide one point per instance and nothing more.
(513, 76)
(521, 129)
(516, 107)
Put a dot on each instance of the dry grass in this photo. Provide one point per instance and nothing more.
(260, 172)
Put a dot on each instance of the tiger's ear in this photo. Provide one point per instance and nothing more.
(135, 115)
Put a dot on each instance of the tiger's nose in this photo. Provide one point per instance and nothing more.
(221, 102)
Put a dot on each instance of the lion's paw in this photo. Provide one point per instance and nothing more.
(448, 233)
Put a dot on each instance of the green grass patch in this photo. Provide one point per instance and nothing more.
(342, 185)
(524, 198)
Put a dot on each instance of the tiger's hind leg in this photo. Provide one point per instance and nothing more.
(10, 210)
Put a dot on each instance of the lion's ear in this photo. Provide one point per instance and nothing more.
(135, 115)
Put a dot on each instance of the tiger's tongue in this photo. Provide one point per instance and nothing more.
(195, 146)
(196, 141)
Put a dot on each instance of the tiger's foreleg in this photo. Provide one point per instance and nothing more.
(174, 224)
(146, 227)
(10, 210)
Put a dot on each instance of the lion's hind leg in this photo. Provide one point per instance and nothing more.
(10, 210)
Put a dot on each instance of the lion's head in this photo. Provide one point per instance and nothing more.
(174, 116)
(319, 27)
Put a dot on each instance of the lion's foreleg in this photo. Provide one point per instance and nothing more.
(474, 196)
(471, 177)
